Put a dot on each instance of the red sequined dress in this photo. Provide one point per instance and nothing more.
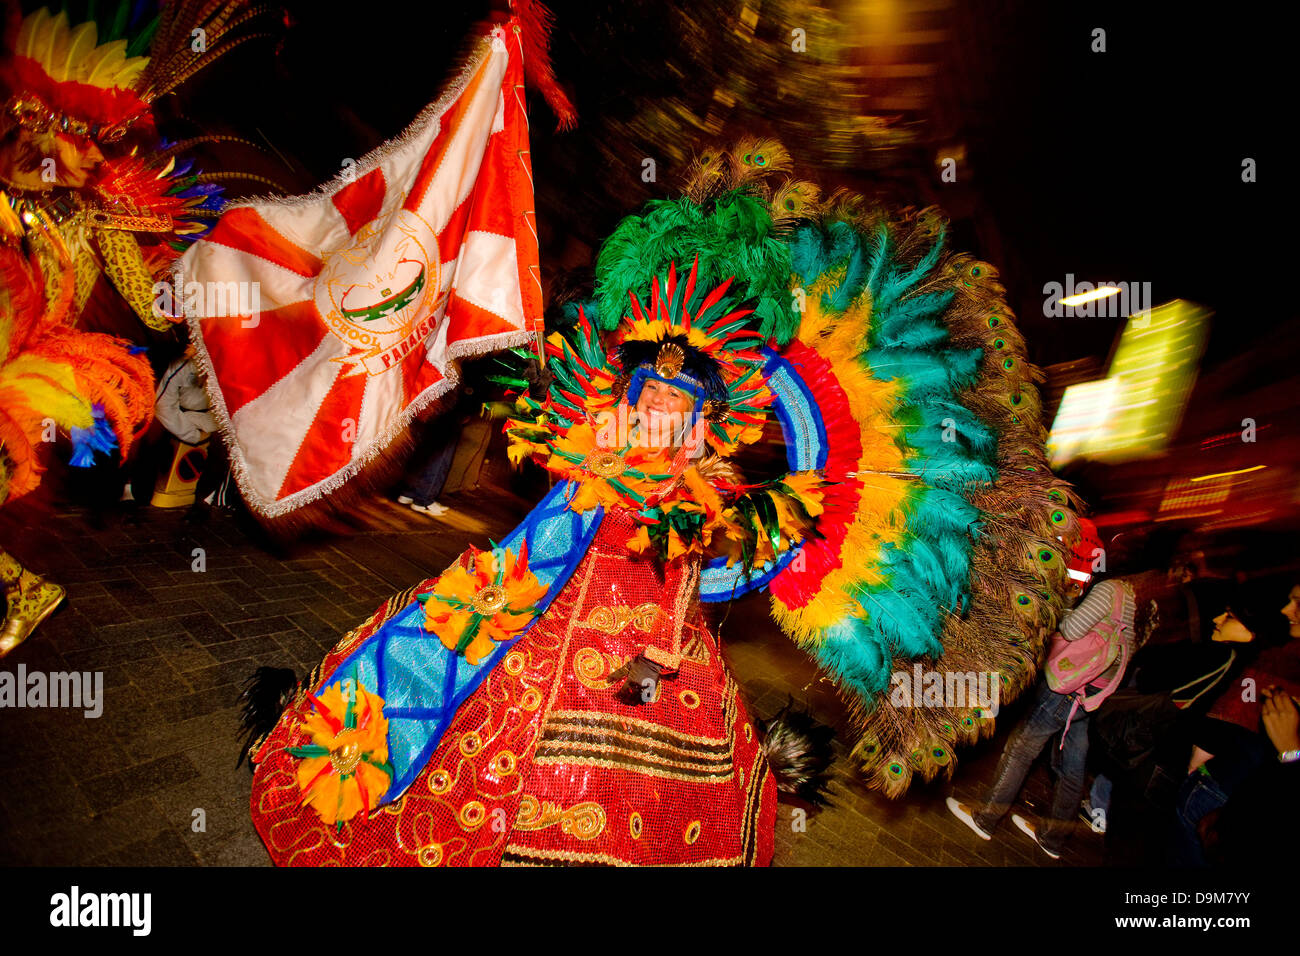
(544, 764)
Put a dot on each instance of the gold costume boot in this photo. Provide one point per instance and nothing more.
(31, 600)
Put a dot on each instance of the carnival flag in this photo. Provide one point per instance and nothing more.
(325, 322)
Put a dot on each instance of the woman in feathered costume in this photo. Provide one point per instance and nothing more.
(561, 697)
(87, 189)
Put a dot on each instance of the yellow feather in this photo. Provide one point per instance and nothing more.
(130, 72)
(32, 34)
(84, 39)
(108, 61)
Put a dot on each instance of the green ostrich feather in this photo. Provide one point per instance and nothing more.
(732, 237)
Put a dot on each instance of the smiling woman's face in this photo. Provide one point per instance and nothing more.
(657, 401)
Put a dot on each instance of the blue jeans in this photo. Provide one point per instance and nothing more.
(1044, 723)
(428, 468)
(1099, 795)
(1200, 794)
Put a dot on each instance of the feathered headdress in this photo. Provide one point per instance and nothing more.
(699, 342)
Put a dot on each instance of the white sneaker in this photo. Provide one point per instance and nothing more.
(432, 509)
(962, 813)
(405, 500)
(1028, 828)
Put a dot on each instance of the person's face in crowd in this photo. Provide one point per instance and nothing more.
(1230, 630)
(657, 401)
(1292, 610)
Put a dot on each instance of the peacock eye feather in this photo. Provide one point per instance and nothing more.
(994, 321)
(1008, 363)
(999, 344)
(1015, 399)
(1024, 600)
(789, 204)
(1058, 517)
(975, 270)
(760, 159)
(746, 158)
(1046, 556)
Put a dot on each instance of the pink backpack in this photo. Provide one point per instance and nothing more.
(1072, 665)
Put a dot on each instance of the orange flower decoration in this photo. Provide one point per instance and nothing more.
(605, 477)
(490, 597)
(345, 769)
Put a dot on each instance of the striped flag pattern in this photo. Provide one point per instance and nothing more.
(325, 322)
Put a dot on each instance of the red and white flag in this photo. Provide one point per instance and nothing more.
(324, 322)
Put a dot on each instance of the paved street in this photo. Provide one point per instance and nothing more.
(174, 644)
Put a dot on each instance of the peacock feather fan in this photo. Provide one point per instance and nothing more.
(943, 540)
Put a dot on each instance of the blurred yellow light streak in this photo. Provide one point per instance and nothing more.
(1104, 292)
(1225, 474)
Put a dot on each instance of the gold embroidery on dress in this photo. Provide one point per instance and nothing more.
(692, 832)
(695, 649)
(471, 743)
(472, 815)
(583, 821)
(439, 782)
(527, 856)
(592, 668)
(504, 763)
(430, 855)
(613, 619)
(634, 825)
(690, 700)
(530, 699)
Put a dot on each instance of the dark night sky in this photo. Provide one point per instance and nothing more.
(1118, 166)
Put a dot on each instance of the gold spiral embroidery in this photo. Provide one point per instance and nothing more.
(690, 700)
(514, 663)
(614, 619)
(592, 668)
(430, 855)
(530, 699)
(582, 821)
(470, 743)
(634, 825)
(692, 831)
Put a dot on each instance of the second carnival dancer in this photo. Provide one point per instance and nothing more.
(561, 698)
